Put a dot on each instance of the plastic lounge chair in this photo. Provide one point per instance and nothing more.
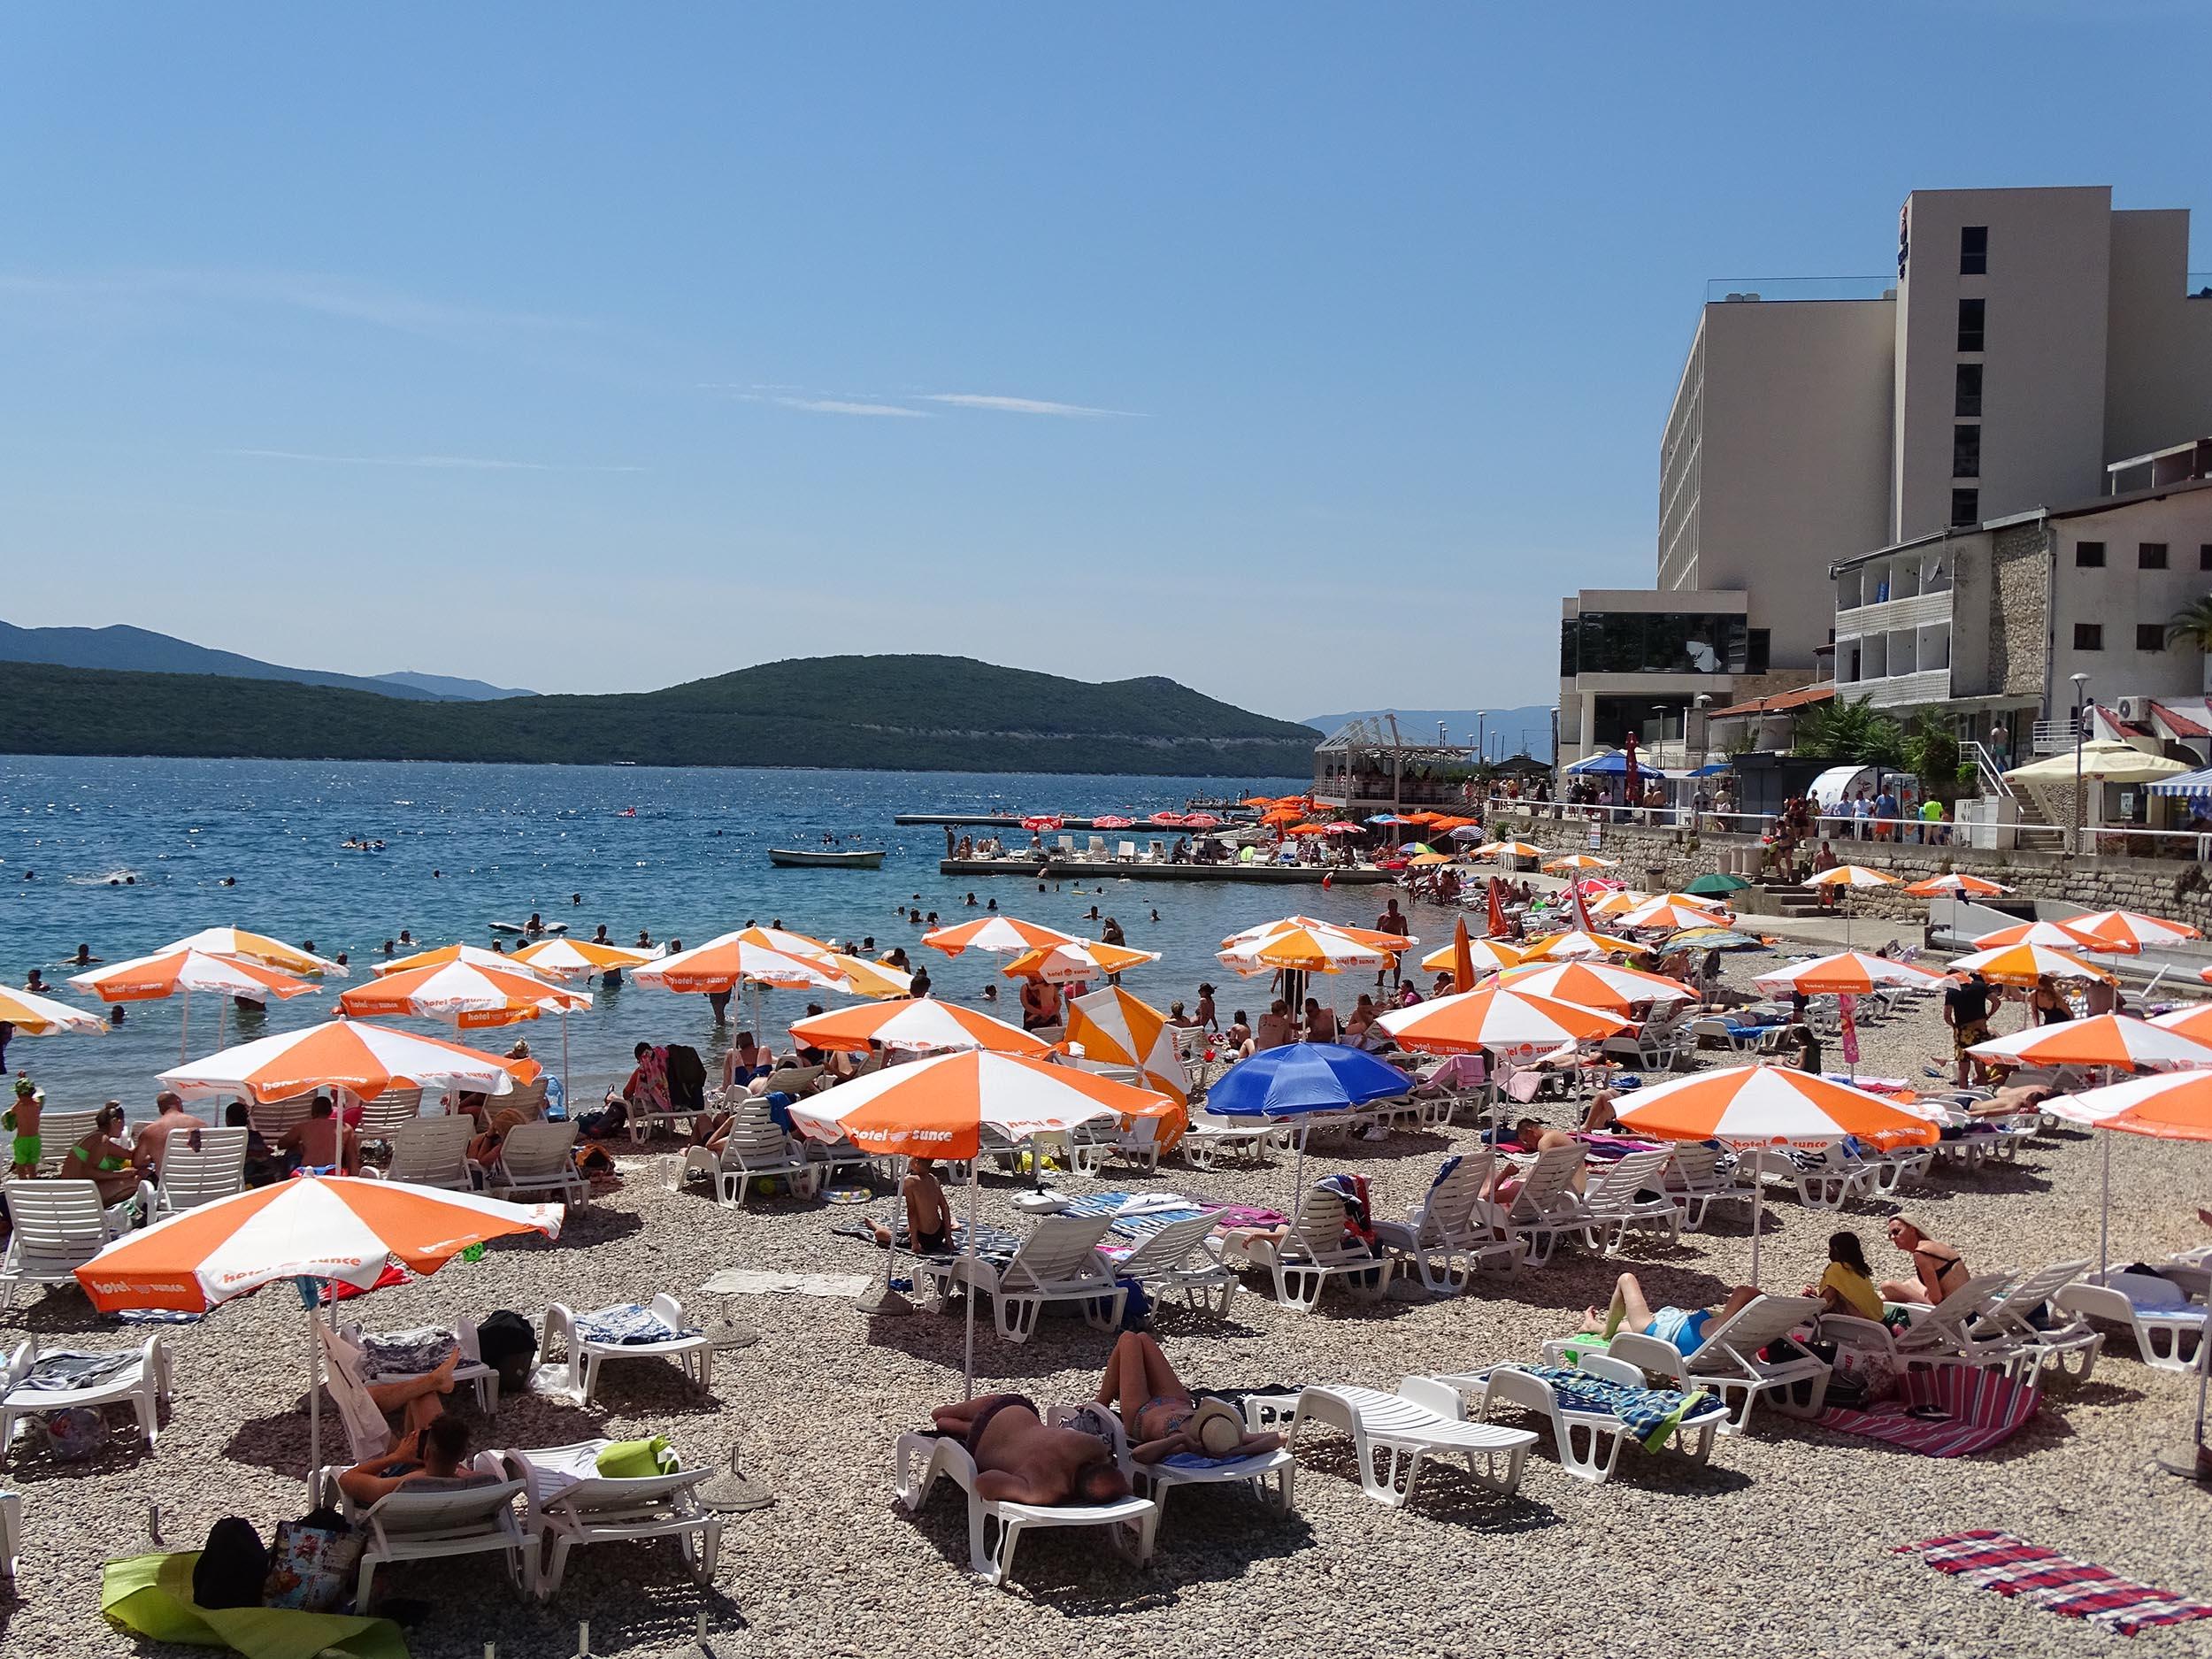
(918, 1462)
(1826, 1187)
(1952, 1332)
(539, 1158)
(1394, 1435)
(1693, 1179)
(1546, 1207)
(1618, 1202)
(1174, 1260)
(432, 1152)
(57, 1132)
(527, 1098)
(57, 1227)
(347, 1354)
(1137, 1146)
(568, 1504)
(1727, 1363)
(693, 1354)
(1210, 1139)
(755, 1149)
(1589, 1443)
(1059, 1261)
(10, 1534)
(1270, 1477)
(274, 1119)
(192, 1176)
(143, 1384)
(1312, 1253)
(2170, 1329)
(2070, 1349)
(384, 1116)
(437, 1525)
(1453, 1231)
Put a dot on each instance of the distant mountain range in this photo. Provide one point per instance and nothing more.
(1530, 724)
(922, 713)
(141, 651)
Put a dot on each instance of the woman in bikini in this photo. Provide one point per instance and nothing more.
(1161, 1416)
(104, 1157)
(1938, 1269)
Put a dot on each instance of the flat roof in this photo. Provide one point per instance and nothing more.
(2086, 509)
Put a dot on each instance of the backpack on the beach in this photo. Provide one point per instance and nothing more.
(233, 1566)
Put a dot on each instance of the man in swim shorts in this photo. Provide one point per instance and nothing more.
(1683, 1327)
(1018, 1460)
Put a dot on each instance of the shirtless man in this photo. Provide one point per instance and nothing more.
(322, 1142)
(928, 1216)
(1320, 1022)
(171, 1117)
(1938, 1269)
(1275, 1030)
(1018, 1460)
(1161, 1415)
(432, 1453)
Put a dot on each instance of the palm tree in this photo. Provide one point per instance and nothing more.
(2191, 623)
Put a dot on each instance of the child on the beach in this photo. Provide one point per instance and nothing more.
(22, 1121)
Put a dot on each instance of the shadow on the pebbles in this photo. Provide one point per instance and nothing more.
(2099, 1391)
(1445, 1492)
(1059, 1345)
(65, 1312)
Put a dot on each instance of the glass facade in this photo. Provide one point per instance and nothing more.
(1652, 643)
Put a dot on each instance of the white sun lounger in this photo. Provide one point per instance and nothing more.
(569, 1504)
(143, 1384)
(918, 1462)
(1210, 1139)
(1394, 1435)
(1953, 1331)
(385, 1115)
(1589, 1443)
(1173, 1261)
(191, 1176)
(2069, 1348)
(1546, 1208)
(1616, 1209)
(469, 1370)
(1270, 1477)
(1059, 1261)
(57, 1227)
(345, 1377)
(414, 1524)
(1727, 1363)
(432, 1152)
(754, 1150)
(1827, 1186)
(693, 1354)
(57, 1132)
(1311, 1254)
(1453, 1231)
(1693, 1180)
(10, 1534)
(2170, 1330)
(539, 1158)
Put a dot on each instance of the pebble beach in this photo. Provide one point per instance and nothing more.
(1786, 1538)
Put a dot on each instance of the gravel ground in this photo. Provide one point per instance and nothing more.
(1784, 1539)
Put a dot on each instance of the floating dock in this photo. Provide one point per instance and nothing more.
(1013, 820)
(1060, 869)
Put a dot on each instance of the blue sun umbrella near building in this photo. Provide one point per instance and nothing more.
(1300, 1079)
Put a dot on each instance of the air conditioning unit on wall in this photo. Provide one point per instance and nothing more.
(2134, 710)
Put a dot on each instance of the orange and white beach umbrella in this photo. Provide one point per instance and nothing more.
(917, 1023)
(1956, 885)
(724, 963)
(1294, 923)
(1007, 933)
(1311, 949)
(1605, 906)
(937, 1108)
(1488, 955)
(2024, 965)
(2150, 931)
(1854, 876)
(2192, 1020)
(274, 952)
(473, 956)
(575, 958)
(2057, 936)
(863, 978)
(178, 972)
(1847, 973)
(36, 1015)
(1113, 1026)
(1078, 961)
(1507, 850)
(1665, 913)
(2168, 1106)
(1493, 1018)
(1575, 944)
(1595, 984)
(1424, 861)
(363, 1060)
(1583, 861)
(462, 994)
(1770, 1105)
(788, 942)
(2118, 1041)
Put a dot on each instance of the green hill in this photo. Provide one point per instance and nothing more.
(924, 713)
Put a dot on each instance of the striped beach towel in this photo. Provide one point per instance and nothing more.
(1978, 1410)
(2055, 1583)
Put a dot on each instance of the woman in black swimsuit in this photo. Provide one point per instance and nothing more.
(1939, 1269)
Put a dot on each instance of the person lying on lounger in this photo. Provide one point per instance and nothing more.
(431, 1455)
(1684, 1328)
(1018, 1460)
(1162, 1416)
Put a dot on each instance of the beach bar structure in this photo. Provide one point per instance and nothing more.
(1368, 766)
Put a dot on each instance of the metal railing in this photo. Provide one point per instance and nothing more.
(2053, 737)
(1986, 771)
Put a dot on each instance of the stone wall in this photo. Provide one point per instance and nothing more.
(2161, 887)
(2019, 612)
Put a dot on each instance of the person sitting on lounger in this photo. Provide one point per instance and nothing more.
(1530, 1136)
(1602, 1114)
(1938, 1269)
(104, 1157)
(1684, 1328)
(1018, 1460)
(1846, 1285)
(1162, 1416)
(928, 1216)
(321, 1142)
(432, 1454)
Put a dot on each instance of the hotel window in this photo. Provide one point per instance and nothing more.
(1966, 451)
(2150, 555)
(2089, 636)
(2150, 636)
(1966, 506)
(1968, 401)
(1973, 250)
(2204, 556)
(1971, 318)
(2088, 556)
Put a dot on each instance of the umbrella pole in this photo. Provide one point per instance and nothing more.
(184, 1030)
(566, 1096)
(2104, 1216)
(974, 1186)
(1758, 1216)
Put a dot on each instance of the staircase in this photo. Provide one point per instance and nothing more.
(1785, 898)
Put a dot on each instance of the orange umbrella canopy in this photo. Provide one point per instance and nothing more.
(2104, 1040)
(1854, 876)
(2132, 925)
(175, 970)
(1770, 1105)
(1493, 1018)
(1077, 960)
(1955, 884)
(937, 1108)
(2057, 936)
(919, 1022)
(2024, 965)
(362, 1059)
(1847, 972)
(1595, 984)
(471, 997)
(996, 932)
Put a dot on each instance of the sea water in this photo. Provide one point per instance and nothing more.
(126, 855)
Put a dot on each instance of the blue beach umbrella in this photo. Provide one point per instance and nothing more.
(1299, 1078)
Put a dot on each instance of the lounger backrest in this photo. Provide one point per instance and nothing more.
(535, 1151)
(792, 1080)
(527, 1098)
(1628, 1177)
(1167, 1249)
(607, 1495)
(348, 1378)
(1062, 1247)
(1764, 1319)
(216, 1169)
(408, 1512)
(1317, 1231)
(60, 1131)
(1549, 1180)
(754, 1142)
(58, 1225)
(275, 1118)
(430, 1151)
(382, 1117)
(1969, 1300)
(1694, 1167)
(2020, 1302)
(1447, 1212)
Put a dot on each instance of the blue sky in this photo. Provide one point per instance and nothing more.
(1304, 354)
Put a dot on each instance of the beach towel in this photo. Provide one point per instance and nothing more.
(387, 1355)
(60, 1373)
(1652, 1415)
(994, 1245)
(1979, 1409)
(151, 1595)
(629, 1325)
(2058, 1584)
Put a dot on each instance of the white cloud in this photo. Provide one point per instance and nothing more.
(342, 298)
(1026, 405)
(451, 463)
(844, 406)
